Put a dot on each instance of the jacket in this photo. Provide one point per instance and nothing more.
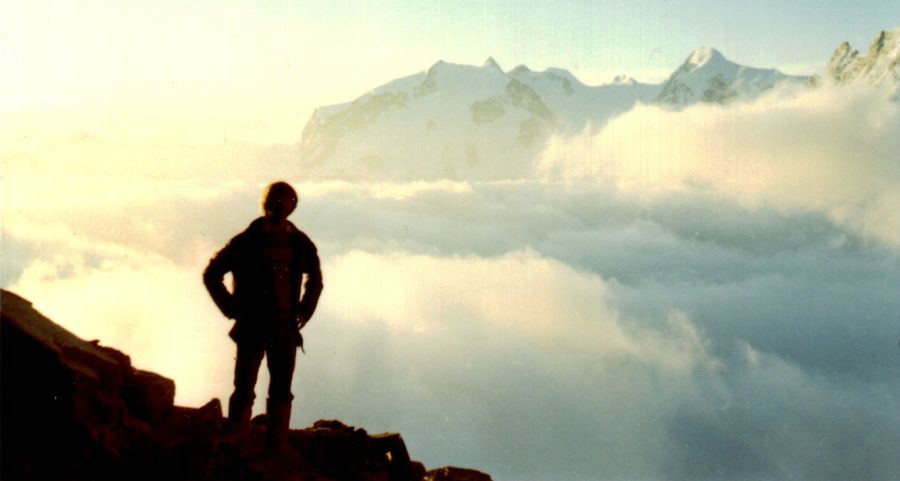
(251, 301)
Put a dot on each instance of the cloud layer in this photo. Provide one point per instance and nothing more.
(829, 150)
(536, 330)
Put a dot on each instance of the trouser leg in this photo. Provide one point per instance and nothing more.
(246, 368)
(281, 358)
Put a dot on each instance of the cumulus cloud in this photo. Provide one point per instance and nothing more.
(541, 301)
(498, 357)
(489, 360)
(828, 150)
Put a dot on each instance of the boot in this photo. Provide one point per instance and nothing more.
(279, 418)
(239, 414)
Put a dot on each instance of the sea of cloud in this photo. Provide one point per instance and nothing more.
(715, 300)
(831, 150)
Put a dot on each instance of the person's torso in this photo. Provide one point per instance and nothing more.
(269, 270)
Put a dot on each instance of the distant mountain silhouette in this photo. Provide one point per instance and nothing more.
(76, 410)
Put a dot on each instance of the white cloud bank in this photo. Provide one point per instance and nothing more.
(535, 330)
(519, 296)
(828, 150)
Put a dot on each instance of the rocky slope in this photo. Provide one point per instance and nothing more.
(76, 410)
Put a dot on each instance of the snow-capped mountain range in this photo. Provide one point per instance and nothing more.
(483, 123)
(459, 120)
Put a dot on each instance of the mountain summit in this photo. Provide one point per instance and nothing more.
(707, 76)
(705, 55)
(880, 66)
(491, 63)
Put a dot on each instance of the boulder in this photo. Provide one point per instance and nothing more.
(450, 473)
(71, 408)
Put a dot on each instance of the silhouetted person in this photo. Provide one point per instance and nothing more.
(267, 262)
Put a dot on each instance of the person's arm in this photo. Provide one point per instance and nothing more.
(312, 289)
(213, 279)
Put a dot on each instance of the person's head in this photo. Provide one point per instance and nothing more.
(279, 200)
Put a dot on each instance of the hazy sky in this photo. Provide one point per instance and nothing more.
(711, 296)
(255, 70)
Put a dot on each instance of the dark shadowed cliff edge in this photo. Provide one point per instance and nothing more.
(76, 410)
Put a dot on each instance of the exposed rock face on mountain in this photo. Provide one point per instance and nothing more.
(75, 410)
(880, 66)
(707, 76)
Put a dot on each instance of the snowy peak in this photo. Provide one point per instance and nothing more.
(492, 64)
(842, 57)
(520, 70)
(457, 79)
(880, 66)
(623, 80)
(550, 83)
(704, 56)
(707, 76)
(887, 44)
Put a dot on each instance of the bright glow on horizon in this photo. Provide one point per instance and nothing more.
(254, 72)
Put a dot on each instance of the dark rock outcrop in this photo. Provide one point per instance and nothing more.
(451, 473)
(76, 410)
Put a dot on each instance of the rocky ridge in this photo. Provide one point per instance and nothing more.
(880, 66)
(77, 410)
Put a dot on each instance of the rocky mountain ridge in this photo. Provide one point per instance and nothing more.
(76, 410)
(880, 66)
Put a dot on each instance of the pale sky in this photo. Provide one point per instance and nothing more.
(717, 301)
(209, 71)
